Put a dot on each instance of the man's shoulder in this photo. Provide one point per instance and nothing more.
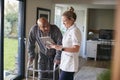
(53, 26)
(34, 27)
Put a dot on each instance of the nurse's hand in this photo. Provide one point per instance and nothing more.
(57, 47)
(52, 46)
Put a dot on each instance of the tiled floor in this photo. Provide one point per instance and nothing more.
(98, 63)
(89, 73)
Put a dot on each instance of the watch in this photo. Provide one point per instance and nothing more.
(62, 49)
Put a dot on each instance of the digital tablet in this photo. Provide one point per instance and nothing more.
(47, 40)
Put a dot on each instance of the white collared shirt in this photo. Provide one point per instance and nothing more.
(69, 61)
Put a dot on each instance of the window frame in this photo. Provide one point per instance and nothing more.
(21, 40)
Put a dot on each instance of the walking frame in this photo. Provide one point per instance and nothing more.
(31, 67)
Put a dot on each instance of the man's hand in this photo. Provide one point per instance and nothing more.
(31, 60)
(57, 62)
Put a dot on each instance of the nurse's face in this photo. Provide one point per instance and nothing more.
(67, 22)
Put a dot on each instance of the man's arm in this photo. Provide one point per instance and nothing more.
(58, 37)
(31, 44)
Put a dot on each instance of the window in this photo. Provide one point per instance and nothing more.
(10, 37)
(58, 18)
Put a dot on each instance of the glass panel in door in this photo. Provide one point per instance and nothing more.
(10, 38)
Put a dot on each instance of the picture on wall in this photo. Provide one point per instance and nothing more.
(42, 12)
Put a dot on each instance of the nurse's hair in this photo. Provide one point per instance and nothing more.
(70, 14)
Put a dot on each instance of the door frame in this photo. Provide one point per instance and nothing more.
(1, 39)
(21, 40)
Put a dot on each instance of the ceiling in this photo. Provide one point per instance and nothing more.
(86, 3)
(96, 2)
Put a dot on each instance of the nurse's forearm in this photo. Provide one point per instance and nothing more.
(72, 49)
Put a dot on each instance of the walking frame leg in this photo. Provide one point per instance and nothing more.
(27, 70)
(32, 66)
(55, 67)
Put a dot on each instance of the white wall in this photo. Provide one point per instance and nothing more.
(105, 2)
(101, 19)
(31, 11)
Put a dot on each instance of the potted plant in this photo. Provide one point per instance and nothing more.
(105, 75)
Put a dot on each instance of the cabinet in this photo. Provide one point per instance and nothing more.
(92, 49)
(99, 49)
(104, 51)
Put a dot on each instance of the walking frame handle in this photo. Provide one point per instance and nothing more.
(32, 68)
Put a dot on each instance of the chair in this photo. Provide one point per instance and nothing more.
(104, 49)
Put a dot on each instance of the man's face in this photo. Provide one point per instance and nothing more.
(44, 26)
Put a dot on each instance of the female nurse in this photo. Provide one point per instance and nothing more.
(70, 46)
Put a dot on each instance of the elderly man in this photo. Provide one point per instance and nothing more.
(47, 56)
